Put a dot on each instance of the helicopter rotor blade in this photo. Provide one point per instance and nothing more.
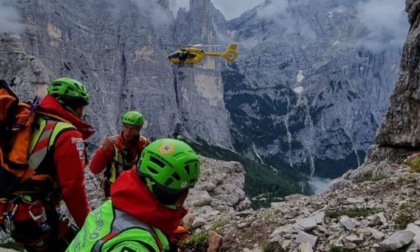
(201, 45)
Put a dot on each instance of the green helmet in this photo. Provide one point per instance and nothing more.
(69, 91)
(170, 164)
(133, 118)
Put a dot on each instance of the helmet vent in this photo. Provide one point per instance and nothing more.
(169, 181)
(152, 170)
(157, 161)
(176, 176)
(187, 169)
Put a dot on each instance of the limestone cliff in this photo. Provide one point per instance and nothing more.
(399, 133)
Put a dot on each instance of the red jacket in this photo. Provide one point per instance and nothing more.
(131, 195)
(102, 158)
(69, 160)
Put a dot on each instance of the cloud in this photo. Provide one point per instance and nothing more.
(319, 185)
(234, 8)
(175, 5)
(10, 19)
(386, 23)
(280, 12)
(157, 13)
(382, 23)
(273, 10)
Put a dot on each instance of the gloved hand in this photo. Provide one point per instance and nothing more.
(108, 144)
(180, 234)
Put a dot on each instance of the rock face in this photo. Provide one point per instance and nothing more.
(308, 92)
(220, 190)
(24, 73)
(399, 134)
(119, 53)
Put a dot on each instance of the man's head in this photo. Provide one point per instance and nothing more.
(169, 168)
(71, 93)
(132, 123)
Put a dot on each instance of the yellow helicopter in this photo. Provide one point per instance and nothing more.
(192, 55)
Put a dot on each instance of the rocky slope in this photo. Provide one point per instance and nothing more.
(374, 208)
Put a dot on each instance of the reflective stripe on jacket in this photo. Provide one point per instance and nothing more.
(43, 138)
(109, 229)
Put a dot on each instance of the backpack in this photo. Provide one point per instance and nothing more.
(16, 120)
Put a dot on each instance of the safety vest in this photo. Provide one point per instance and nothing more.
(109, 229)
(120, 163)
(43, 138)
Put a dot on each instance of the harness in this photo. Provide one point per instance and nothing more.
(123, 160)
(37, 194)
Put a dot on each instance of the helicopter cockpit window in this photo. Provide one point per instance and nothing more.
(191, 56)
(174, 55)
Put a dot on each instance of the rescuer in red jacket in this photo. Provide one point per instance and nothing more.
(119, 153)
(57, 154)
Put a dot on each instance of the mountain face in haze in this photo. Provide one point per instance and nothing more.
(306, 93)
(311, 85)
(116, 49)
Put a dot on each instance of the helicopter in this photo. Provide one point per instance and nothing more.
(193, 54)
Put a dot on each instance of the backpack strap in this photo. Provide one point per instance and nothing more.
(9, 104)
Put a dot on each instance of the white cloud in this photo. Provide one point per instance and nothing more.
(10, 19)
(175, 5)
(159, 15)
(273, 10)
(234, 8)
(319, 185)
(386, 23)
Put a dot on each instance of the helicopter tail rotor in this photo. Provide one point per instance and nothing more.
(231, 54)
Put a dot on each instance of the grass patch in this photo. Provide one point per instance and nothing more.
(338, 249)
(196, 242)
(351, 212)
(272, 247)
(405, 216)
(414, 163)
(219, 224)
(380, 177)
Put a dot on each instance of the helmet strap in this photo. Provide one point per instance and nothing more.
(150, 184)
(67, 107)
